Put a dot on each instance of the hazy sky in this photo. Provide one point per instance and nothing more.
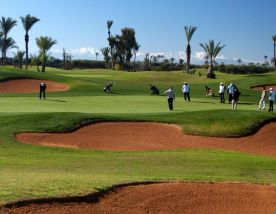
(245, 26)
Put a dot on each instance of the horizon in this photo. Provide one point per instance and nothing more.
(246, 27)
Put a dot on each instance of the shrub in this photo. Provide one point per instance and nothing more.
(84, 64)
(117, 67)
(243, 69)
(199, 73)
(212, 76)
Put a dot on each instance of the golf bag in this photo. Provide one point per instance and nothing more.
(154, 90)
(108, 87)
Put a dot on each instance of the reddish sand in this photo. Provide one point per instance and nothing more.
(133, 136)
(30, 86)
(168, 198)
(162, 197)
(266, 86)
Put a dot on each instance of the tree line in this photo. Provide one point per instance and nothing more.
(121, 48)
(44, 43)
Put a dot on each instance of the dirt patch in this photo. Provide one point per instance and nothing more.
(30, 86)
(260, 87)
(145, 136)
(170, 198)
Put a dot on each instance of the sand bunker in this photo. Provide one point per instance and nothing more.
(30, 86)
(169, 198)
(143, 136)
(259, 88)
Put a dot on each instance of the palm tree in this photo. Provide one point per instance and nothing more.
(265, 60)
(239, 61)
(189, 34)
(212, 50)
(19, 58)
(97, 54)
(28, 21)
(274, 40)
(35, 61)
(7, 43)
(5, 26)
(109, 25)
(44, 44)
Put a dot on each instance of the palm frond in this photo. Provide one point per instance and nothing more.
(189, 32)
(6, 24)
(45, 43)
(211, 49)
(109, 24)
(9, 43)
(28, 21)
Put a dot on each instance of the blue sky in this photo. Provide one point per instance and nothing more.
(244, 26)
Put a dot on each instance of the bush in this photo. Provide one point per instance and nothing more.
(243, 69)
(117, 67)
(212, 76)
(84, 64)
(166, 67)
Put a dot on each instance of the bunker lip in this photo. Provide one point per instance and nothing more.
(193, 197)
(149, 136)
(260, 87)
(22, 86)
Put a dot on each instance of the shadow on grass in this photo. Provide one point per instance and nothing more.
(89, 198)
(54, 100)
(205, 102)
(245, 103)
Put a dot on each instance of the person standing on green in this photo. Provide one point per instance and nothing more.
(170, 97)
(42, 89)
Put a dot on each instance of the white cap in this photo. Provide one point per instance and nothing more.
(271, 89)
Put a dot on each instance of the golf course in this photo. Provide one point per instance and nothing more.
(37, 172)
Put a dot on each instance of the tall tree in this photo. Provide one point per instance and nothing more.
(147, 61)
(105, 53)
(129, 43)
(274, 41)
(97, 54)
(44, 44)
(111, 43)
(189, 30)
(28, 21)
(212, 50)
(135, 50)
(6, 24)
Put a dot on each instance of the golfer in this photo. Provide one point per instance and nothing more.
(235, 97)
(271, 98)
(42, 90)
(170, 97)
(186, 91)
(221, 92)
(230, 91)
(262, 101)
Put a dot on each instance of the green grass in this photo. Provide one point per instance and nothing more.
(28, 171)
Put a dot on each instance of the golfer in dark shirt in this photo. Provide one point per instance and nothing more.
(42, 90)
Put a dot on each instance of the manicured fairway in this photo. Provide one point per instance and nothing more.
(28, 171)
